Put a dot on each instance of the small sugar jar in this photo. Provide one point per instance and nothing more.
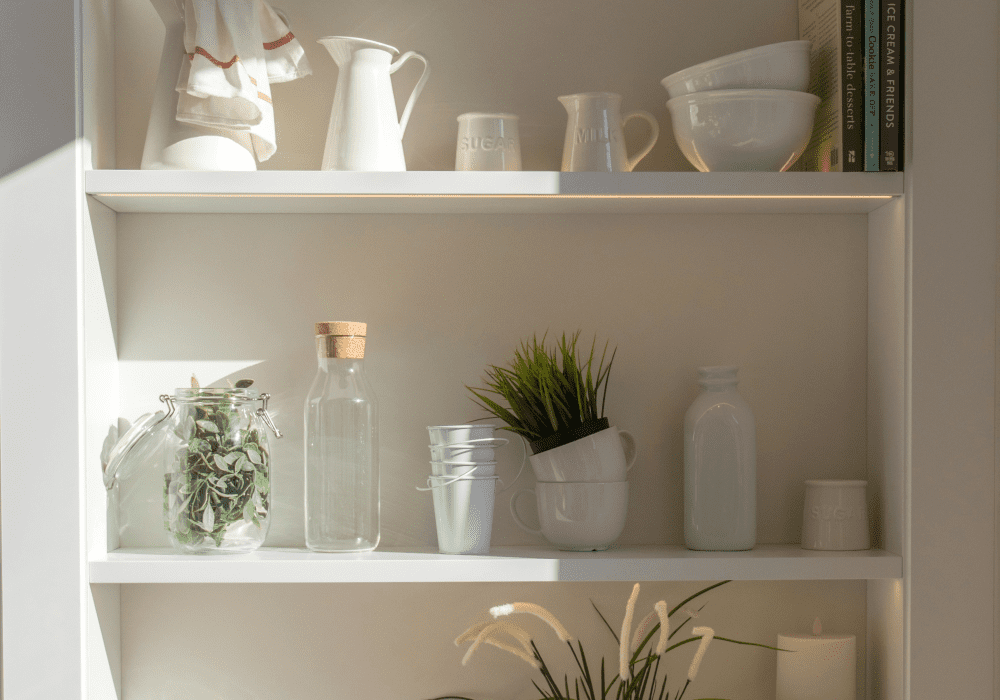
(217, 475)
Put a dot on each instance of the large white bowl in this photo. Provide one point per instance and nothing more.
(783, 66)
(741, 130)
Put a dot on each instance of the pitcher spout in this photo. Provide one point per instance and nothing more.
(343, 48)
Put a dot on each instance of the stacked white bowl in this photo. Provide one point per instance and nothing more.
(463, 480)
(744, 111)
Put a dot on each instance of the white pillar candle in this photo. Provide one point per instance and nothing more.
(817, 667)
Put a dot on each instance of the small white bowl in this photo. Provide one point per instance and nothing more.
(782, 66)
(743, 130)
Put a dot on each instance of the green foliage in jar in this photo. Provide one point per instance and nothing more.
(220, 477)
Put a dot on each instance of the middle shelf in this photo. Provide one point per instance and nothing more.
(510, 563)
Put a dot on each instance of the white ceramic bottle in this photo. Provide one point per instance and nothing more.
(720, 466)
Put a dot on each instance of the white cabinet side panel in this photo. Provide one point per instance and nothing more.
(886, 630)
(98, 83)
(43, 550)
(101, 430)
(886, 373)
(104, 669)
(101, 366)
(951, 200)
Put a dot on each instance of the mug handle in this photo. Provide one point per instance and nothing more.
(628, 442)
(416, 89)
(524, 460)
(654, 134)
(517, 518)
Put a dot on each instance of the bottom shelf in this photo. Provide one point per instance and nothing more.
(516, 563)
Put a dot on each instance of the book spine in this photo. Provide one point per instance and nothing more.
(852, 111)
(819, 23)
(901, 87)
(891, 85)
(872, 15)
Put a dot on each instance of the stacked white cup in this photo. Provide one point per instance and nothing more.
(463, 480)
(581, 491)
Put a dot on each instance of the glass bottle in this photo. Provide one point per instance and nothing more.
(720, 466)
(341, 445)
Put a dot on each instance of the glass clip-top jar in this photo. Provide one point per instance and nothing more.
(217, 485)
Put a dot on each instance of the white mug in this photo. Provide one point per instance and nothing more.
(488, 142)
(600, 457)
(577, 517)
(835, 515)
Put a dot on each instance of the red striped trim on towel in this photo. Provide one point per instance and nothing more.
(213, 59)
(219, 63)
(278, 43)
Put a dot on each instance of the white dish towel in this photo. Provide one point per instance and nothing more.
(235, 50)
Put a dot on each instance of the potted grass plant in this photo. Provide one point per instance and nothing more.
(638, 670)
(554, 398)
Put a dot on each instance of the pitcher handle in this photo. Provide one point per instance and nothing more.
(417, 88)
(655, 134)
(628, 441)
(517, 518)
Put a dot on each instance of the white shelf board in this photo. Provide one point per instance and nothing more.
(288, 192)
(639, 563)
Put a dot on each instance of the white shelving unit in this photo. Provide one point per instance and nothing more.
(80, 275)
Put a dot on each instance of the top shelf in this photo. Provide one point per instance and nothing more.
(434, 192)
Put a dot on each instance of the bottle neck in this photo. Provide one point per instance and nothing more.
(717, 378)
(341, 364)
(718, 384)
(340, 346)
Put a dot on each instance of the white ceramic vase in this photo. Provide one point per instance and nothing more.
(174, 145)
(720, 466)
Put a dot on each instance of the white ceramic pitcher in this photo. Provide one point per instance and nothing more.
(364, 133)
(594, 138)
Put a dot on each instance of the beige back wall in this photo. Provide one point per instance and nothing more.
(444, 296)
(513, 56)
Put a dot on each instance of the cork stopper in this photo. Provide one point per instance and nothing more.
(342, 328)
(341, 339)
